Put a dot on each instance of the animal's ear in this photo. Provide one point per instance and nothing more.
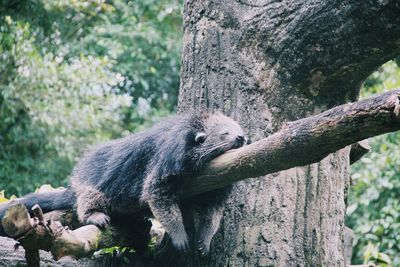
(200, 137)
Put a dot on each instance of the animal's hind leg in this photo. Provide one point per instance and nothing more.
(211, 208)
(92, 206)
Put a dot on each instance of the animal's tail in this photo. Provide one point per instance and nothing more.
(53, 200)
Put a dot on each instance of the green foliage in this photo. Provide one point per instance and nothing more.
(51, 106)
(372, 256)
(116, 250)
(374, 209)
(125, 255)
(75, 73)
(144, 37)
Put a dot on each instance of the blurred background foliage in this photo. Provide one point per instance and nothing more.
(75, 73)
(374, 200)
(78, 72)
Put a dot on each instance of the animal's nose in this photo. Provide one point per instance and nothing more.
(240, 138)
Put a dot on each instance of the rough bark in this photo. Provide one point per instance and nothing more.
(265, 63)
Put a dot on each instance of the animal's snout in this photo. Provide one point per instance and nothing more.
(241, 140)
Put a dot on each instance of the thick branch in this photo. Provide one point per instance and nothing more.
(325, 47)
(303, 142)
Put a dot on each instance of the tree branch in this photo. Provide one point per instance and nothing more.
(358, 150)
(302, 142)
(325, 49)
(48, 235)
(45, 232)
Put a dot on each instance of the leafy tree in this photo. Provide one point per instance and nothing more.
(374, 209)
(144, 37)
(75, 73)
(50, 108)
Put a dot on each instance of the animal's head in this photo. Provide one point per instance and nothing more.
(220, 134)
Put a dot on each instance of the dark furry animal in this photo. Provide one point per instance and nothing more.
(151, 167)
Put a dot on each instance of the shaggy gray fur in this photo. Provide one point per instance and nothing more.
(151, 167)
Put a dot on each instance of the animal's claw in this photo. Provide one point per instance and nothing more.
(99, 219)
(203, 248)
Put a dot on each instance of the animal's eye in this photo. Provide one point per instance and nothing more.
(225, 133)
(200, 137)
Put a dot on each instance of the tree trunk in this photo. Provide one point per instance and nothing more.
(265, 63)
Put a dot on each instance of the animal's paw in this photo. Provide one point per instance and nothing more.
(180, 241)
(99, 219)
(203, 248)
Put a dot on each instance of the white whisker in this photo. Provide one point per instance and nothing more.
(208, 150)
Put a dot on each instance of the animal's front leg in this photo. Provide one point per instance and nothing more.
(164, 206)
